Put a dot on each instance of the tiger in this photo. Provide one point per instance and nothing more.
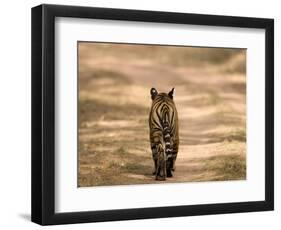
(164, 133)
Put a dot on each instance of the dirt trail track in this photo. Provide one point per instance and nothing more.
(114, 103)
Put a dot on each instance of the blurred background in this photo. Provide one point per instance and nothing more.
(114, 104)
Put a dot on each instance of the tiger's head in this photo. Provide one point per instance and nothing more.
(154, 93)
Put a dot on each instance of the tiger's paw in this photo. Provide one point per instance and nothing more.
(160, 178)
(169, 173)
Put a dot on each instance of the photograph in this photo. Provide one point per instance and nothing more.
(153, 114)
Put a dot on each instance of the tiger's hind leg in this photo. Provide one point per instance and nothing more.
(154, 156)
(175, 154)
(169, 167)
(160, 173)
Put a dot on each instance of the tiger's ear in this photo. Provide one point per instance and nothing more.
(153, 93)
(171, 93)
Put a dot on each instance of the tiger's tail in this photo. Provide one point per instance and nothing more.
(167, 140)
(168, 146)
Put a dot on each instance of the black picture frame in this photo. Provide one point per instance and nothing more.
(43, 114)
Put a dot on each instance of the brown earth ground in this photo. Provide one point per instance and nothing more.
(114, 103)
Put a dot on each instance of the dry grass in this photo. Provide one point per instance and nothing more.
(230, 167)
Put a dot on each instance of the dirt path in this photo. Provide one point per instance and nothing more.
(114, 103)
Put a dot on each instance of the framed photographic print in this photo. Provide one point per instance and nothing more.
(142, 114)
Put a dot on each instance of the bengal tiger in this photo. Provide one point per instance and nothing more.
(164, 133)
